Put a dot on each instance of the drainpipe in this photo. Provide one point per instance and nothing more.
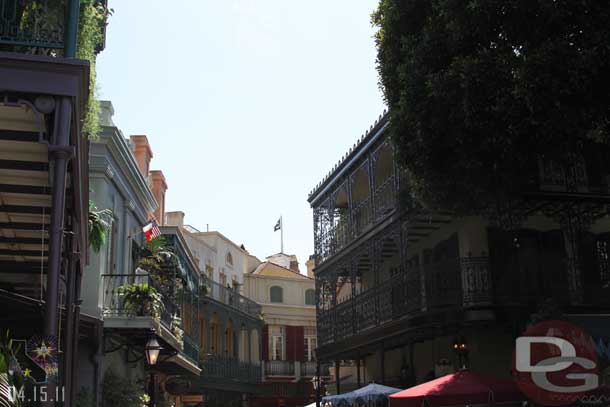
(71, 35)
(59, 154)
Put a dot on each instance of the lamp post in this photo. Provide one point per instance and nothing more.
(315, 381)
(152, 351)
(460, 347)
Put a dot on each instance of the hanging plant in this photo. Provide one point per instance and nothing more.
(99, 223)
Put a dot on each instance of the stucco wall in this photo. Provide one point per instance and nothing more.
(292, 311)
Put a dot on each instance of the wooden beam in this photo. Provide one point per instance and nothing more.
(23, 226)
(23, 240)
(25, 267)
(15, 135)
(24, 165)
(25, 189)
(25, 209)
(19, 252)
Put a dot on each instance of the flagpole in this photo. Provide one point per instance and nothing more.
(282, 233)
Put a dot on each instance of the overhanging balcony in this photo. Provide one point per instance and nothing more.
(229, 296)
(129, 303)
(43, 27)
(225, 368)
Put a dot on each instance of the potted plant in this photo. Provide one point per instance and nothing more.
(142, 300)
(176, 327)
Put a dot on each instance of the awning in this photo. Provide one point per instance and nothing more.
(458, 389)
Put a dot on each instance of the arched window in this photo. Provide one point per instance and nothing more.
(229, 259)
(310, 297)
(276, 294)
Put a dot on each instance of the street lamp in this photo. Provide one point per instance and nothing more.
(152, 350)
(460, 347)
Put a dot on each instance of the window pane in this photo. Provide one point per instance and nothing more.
(310, 297)
(276, 294)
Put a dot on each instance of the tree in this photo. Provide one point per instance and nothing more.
(478, 90)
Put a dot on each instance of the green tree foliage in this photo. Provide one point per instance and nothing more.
(91, 25)
(118, 391)
(479, 89)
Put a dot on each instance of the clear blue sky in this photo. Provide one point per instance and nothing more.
(247, 104)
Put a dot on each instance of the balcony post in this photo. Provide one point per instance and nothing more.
(338, 375)
(371, 176)
(358, 370)
(572, 227)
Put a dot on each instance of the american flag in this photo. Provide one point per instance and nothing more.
(151, 231)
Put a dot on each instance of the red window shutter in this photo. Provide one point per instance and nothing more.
(290, 343)
(300, 343)
(265, 342)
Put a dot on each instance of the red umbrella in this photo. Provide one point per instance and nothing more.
(461, 388)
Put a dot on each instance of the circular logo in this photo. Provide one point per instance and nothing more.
(555, 363)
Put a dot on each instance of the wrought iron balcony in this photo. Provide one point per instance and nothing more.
(403, 296)
(228, 368)
(229, 296)
(116, 303)
(279, 368)
(308, 369)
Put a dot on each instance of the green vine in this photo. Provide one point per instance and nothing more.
(92, 21)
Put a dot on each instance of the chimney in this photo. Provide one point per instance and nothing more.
(294, 266)
(311, 265)
(142, 153)
(175, 218)
(159, 186)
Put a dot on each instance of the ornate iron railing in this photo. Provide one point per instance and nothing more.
(385, 197)
(361, 215)
(116, 305)
(443, 283)
(279, 368)
(231, 369)
(308, 369)
(191, 349)
(229, 296)
(450, 282)
(32, 24)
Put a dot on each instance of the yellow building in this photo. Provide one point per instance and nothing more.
(289, 337)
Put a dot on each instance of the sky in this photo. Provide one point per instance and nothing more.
(247, 104)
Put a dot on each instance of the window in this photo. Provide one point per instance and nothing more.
(210, 272)
(223, 279)
(311, 343)
(276, 341)
(229, 259)
(310, 297)
(276, 294)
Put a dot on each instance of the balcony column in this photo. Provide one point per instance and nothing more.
(353, 270)
(350, 205)
(338, 375)
(375, 262)
(358, 370)
(371, 173)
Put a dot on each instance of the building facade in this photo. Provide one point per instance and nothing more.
(289, 336)
(128, 324)
(44, 94)
(399, 288)
(230, 324)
